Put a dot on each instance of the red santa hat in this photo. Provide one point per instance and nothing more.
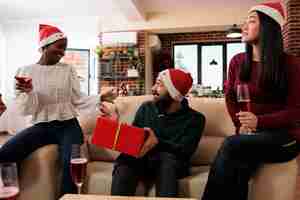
(49, 34)
(177, 82)
(274, 10)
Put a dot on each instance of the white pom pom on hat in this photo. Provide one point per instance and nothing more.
(178, 82)
(275, 10)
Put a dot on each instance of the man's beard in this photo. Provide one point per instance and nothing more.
(163, 102)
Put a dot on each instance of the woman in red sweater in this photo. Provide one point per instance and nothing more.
(273, 79)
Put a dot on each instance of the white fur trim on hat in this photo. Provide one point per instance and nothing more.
(166, 79)
(52, 38)
(271, 12)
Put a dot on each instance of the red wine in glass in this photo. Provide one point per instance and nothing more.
(9, 193)
(78, 170)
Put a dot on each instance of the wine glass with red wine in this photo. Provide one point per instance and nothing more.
(78, 166)
(9, 186)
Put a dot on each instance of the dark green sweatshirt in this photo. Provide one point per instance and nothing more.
(178, 133)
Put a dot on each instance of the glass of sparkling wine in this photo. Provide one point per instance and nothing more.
(78, 166)
(9, 186)
(243, 97)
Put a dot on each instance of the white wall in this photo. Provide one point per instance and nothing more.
(202, 18)
(22, 42)
(2, 56)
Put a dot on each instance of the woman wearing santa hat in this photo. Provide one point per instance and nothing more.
(269, 131)
(49, 91)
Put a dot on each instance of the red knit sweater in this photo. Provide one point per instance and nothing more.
(271, 112)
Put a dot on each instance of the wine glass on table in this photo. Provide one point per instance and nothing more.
(78, 166)
(9, 186)
(243, 98)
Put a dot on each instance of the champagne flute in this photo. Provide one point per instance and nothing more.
(9, 186)
(78, 166)
(243, 98)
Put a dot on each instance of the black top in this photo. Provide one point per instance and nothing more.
(178, 132)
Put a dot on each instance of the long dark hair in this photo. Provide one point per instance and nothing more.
(273, 73)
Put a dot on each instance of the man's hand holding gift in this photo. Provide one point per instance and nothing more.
(150, 143)
(106, 111)
(108, 94)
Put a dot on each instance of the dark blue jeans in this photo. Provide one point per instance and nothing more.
(240, 156)
(63, 133)
(161, 167)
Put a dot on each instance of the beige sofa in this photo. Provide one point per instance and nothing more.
(39, 172)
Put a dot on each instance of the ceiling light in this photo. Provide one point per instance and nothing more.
(234, 32)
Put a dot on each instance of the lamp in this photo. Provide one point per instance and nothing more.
(234, 32)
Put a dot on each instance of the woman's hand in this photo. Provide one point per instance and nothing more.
(2, 108)
(109, 94)
(248, 120)
(150, 142)
(24, 86)
(245, 130)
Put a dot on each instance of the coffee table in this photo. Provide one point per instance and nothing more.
(104, 197)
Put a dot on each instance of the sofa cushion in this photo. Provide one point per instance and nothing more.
(207, 150)
(280, 179)
(39, 174)
(99, 177)
(218, 121)
(127, 106)
(101, 154)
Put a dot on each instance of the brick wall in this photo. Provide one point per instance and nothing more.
(291, 34)
(164, 60)
(136, 85)
(292, 28)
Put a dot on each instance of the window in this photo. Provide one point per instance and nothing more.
(233, 49)
(207, 62)
(186, 57)
(80, 60)
(212, 66)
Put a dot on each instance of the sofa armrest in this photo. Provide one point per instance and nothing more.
(275, 181)
(39, 174)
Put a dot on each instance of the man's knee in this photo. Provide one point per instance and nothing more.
(168, 157)
(122, 171)
(168, 163)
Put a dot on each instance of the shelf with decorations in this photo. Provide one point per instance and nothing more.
(122, 67)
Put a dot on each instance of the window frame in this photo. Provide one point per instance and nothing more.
(88, 55)
(199, 52)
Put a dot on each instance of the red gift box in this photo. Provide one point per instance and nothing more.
(118, 136)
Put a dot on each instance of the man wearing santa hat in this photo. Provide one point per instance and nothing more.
(174, 132)
(49, 91)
